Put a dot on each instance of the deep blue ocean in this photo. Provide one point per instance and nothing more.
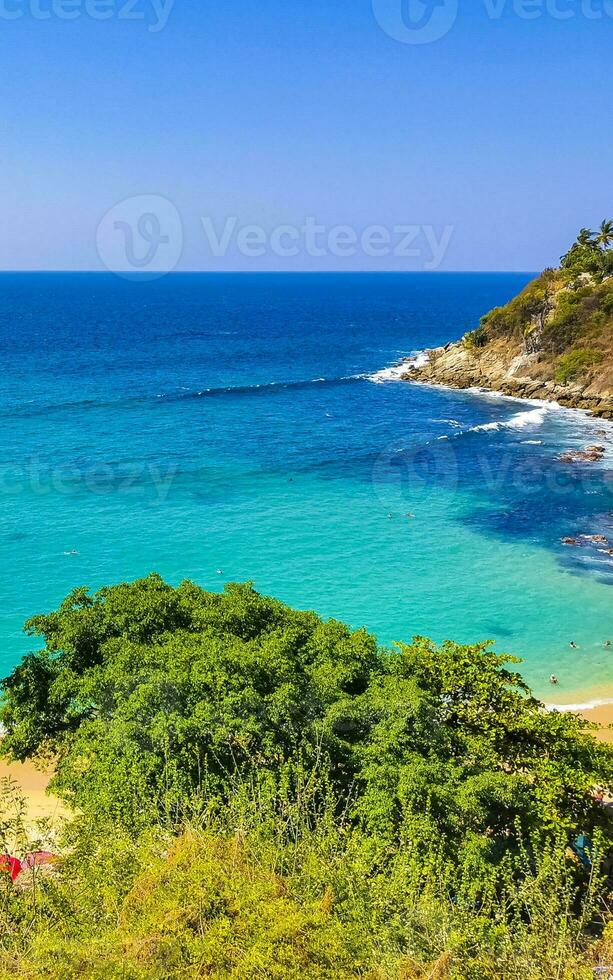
(244, 427)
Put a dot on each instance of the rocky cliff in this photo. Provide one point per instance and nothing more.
(553, 341)
(503, 366)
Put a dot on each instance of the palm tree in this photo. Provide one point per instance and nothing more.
(585, 237)
(605, 234)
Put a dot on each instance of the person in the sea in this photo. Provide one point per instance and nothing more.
(553, 679)
(607, 643)
(574, 645)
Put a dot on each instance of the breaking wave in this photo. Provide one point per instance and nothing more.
(586, 706)
(522, 420)
(32, 410)
(396, 372)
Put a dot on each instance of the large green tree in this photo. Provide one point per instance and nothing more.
(149, 696)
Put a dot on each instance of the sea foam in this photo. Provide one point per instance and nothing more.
(396, 372)
(585, 706)
(523, 420)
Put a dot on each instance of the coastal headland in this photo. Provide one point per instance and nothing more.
(554, 341)
(504, 367)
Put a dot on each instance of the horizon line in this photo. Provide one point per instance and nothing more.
(268, 272)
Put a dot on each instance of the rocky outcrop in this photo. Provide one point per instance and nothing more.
(501, 367)
(591, 454)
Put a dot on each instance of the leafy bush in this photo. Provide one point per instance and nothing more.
(583, 258)
(575, 364)
(531, 306)
(562, 307)
(262, 793)
(149, 696)
(299, 896)
(476, 338)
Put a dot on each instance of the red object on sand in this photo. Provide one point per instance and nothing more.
(11, 865)
(35, 859)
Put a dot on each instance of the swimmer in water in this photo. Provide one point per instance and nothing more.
(220, 571)
(573, 645)
(607, 643)
(553, 679)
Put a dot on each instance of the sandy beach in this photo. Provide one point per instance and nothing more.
(596, 706)
(33, 785)
(603, 716)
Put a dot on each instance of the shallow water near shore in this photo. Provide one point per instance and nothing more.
(234, 427)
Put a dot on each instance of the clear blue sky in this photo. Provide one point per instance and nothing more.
(274, 110)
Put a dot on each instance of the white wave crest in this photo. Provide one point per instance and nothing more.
(587, 706)
(396, 372)
(523, 420)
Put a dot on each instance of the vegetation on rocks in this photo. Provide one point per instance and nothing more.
(566, 315)
(552, 341)
(260, 793)
(574, 364)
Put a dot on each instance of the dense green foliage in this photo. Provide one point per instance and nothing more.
(303, 895)
(575, 363)
(565, 312)
(262, 793)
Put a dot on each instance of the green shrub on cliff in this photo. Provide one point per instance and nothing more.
(320, 903)
(476, 338)
(576, 363)
(563, 308)
(591, 252)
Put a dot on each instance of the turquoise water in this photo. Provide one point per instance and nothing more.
(239, 427)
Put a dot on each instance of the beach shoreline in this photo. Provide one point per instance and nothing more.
(603, 717)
